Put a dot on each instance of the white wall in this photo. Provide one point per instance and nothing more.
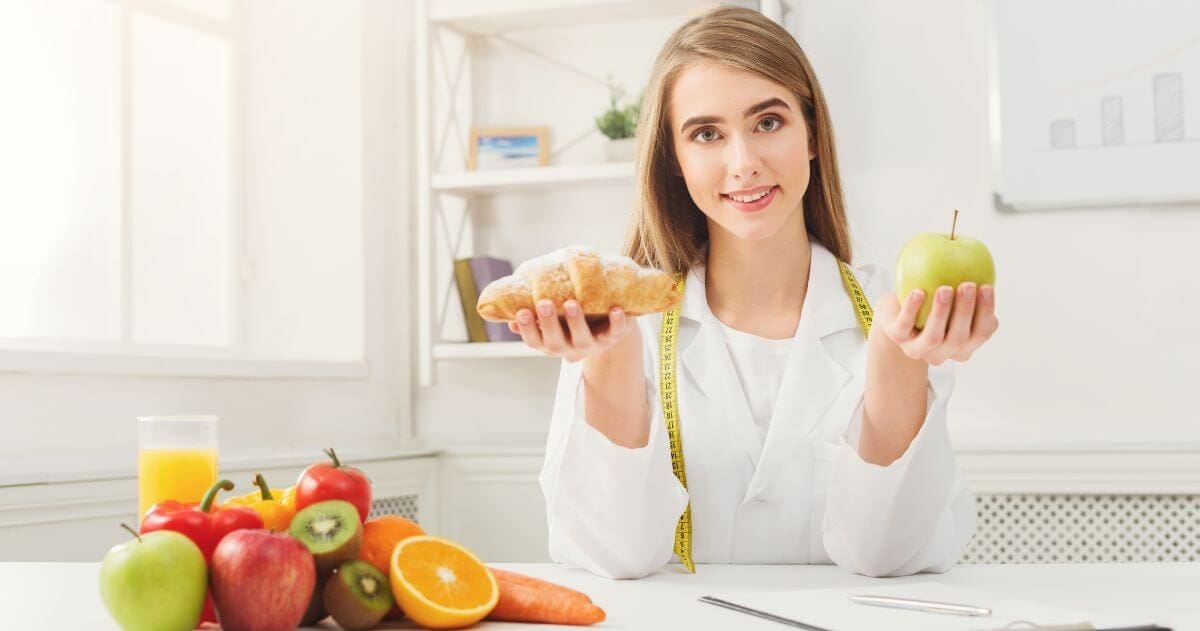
(1094, 305)
(80, 521)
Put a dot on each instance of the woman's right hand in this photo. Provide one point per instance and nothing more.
(579, 340)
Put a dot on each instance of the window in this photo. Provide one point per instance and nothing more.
(202, 211)
(182, 181)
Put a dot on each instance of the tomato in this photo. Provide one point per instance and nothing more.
(334, 481)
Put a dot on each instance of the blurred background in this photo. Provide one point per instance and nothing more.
(273, 212)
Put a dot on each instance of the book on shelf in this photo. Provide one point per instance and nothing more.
(472, 275)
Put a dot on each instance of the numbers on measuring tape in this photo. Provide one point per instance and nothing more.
(670, 404)
(862, 307)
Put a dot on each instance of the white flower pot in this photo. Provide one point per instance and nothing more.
(620, 150)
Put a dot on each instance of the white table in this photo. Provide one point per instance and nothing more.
(67, 596)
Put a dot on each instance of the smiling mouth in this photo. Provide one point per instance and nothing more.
(747, 197)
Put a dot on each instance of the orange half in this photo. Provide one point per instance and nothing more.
(440, 584)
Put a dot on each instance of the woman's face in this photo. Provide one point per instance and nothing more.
(742, 146)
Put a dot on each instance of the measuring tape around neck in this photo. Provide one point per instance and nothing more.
(668, 389)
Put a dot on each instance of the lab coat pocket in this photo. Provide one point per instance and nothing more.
(824, 456)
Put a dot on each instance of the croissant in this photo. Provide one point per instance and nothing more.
(598, 281)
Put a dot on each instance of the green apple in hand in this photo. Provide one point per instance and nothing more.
(931, 260)
(155, 582)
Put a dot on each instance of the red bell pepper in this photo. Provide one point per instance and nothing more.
(203, 524)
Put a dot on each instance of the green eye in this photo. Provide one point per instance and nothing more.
(706, 135)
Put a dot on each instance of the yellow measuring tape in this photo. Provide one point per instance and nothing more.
(668, 345)
(862, 307)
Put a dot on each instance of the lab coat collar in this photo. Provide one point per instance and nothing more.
(811, 379)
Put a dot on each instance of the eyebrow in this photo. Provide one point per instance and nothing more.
(750, 111)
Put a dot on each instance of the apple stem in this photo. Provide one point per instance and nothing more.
(132, 531)
(261, 483)
(333, 456)
(211, 494)
(954, 225)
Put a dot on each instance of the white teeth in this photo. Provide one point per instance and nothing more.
(745, 199)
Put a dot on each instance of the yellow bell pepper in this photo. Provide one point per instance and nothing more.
(275, 506)
(289, 498)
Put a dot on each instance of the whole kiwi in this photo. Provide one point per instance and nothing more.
(331, 532)
(358, 596)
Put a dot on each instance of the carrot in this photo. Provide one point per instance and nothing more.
(528, 599)
(536, 583)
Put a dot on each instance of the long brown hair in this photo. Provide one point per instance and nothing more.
(667, 230)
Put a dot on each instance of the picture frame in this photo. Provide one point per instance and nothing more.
(508, 147)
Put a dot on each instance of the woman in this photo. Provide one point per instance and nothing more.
(804, 440)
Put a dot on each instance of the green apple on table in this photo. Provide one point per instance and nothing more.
(156, 582)
(931, 260)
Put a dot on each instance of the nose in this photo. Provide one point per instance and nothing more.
(744, 161)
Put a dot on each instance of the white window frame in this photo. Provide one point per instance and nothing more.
(126, 357)
(367, 405)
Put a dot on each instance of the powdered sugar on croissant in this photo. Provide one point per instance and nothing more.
(599, 281)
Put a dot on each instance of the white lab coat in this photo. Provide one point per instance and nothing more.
(803, 496)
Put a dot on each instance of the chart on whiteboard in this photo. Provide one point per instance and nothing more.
(1095, 102)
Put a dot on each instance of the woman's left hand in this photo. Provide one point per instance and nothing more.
(954, 329)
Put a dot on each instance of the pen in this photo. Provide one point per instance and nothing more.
(921, 605)
(761, 614)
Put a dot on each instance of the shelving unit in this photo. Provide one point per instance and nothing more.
(490, 350)
(497, 181)
(443, 104)
(486, 17)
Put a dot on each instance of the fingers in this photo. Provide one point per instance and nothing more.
(553, 340)
(959, 322)
(530, 334)
(580, 339)
(902, 328)
(581, 335)
(935, 327)
(986, 322)
(616, 328)
(960, 319)
(958, 345)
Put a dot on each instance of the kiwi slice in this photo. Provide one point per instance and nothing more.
(358, 596)
(331, 532)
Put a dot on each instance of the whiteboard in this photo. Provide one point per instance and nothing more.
(1094, 102)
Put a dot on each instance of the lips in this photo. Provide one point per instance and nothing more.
(751, 200)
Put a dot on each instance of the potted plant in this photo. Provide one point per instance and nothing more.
(618, 124)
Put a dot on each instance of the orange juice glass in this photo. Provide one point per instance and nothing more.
(177, 459)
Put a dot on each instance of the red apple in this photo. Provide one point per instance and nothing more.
(261, 581)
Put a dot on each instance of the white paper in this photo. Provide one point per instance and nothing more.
(831, 609)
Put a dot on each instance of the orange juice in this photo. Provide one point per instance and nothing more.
(174, 474)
